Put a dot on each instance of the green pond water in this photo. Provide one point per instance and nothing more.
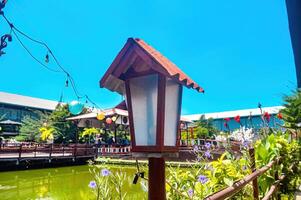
(59, 183)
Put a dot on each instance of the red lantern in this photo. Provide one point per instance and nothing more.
(237, 119)
(279, 116)
(109, 120)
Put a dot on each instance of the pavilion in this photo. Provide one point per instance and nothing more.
(119, 113)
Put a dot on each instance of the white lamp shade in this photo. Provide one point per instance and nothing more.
(144, 98)
(172, 112)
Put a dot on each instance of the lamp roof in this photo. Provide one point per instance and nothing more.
(138, 56)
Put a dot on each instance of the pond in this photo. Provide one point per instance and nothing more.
(61, 183)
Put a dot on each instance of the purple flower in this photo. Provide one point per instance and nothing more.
(195, 149)
(92, 184)
(105, 172)
(207, 154)
(190, 192)
(207, 145)
(245, 144)
(202, 179)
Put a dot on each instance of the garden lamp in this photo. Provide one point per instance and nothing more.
(152, 86)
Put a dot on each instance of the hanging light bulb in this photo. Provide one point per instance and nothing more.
(75, 107)
(47, 58)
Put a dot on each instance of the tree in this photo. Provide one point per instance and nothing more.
(292, 110)
(30, 128)
(205, 127)
(65, 131)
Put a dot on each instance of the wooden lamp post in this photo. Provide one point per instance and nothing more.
(152, 86)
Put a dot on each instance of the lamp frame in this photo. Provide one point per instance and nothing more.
(159, 147)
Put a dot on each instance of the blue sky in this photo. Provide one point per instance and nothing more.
(238, 51)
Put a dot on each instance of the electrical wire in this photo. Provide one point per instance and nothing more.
(27, 50)
(15, 30)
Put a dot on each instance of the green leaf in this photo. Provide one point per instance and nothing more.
(228, 182)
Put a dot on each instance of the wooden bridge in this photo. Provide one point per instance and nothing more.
(21, 152)
(25, 155)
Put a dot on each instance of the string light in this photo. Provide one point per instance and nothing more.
(47, 58)
(70, 79)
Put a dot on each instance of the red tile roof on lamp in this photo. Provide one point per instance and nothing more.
(139, 53)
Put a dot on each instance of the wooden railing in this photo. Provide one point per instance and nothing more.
(216, 144)
(200, 142)
(46, 150)
(111, 150)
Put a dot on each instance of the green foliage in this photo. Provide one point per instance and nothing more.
(292, 111)
(47, 133)
(280, 147)
(228, 169)
(61, 130)
(89, 132)
(205, 127)
(65, 131)
(183, 183)
(109, 185)
(203, 177)
(30, 128)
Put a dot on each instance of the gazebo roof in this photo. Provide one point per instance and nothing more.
(110, 112)
(137, 55)
(107, 112)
